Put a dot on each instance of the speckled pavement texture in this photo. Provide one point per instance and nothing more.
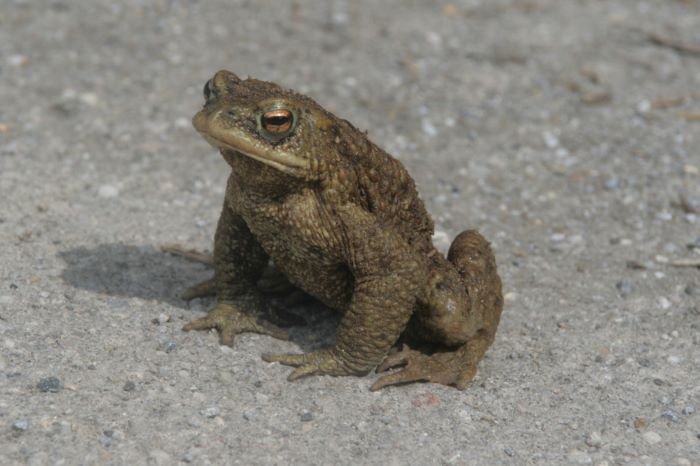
(567, 132)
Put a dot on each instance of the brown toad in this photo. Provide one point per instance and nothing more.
(342, 221)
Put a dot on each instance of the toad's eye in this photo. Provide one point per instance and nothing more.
(208, 91)
(277, 122)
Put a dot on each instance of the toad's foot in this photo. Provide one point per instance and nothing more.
(447, 368)
(321, 362)
(229, 320)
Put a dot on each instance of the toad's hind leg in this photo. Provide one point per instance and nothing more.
(471, 256)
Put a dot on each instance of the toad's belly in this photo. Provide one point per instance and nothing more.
(301, 240)
(330, 284)
(308, 265)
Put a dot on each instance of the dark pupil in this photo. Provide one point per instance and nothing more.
(276, 120)
(206, 91)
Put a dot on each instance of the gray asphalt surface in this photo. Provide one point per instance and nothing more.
(567, 132)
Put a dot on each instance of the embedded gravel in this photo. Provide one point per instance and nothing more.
(568, 133)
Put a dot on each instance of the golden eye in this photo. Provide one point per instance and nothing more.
(277, 121)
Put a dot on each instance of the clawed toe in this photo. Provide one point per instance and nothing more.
(286, 359)
(303, 366)
(399, 377)
(229, 321)
(394, 360)
(321, 362)
(414, 366)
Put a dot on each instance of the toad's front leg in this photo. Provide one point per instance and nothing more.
(387, 274)
(239, 261)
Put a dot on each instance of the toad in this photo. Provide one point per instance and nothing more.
(341, 220)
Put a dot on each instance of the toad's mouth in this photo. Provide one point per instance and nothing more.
(236, 140)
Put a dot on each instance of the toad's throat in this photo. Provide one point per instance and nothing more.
(278, 160)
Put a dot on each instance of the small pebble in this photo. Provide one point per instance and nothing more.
(107, 191)
(644, 106)
(651, 437)
(557, 237)
(162, 318)
(9, 149)
(624, 287)
(159, 457)
(691, 290)
(17, 60)
(594, 440)
(664, 303)
(639, 422)
(635, 265)
(49, 384)
(579, 457)
(20, 425)
(671, 415)
(428, 127)
(306, 416)
(688, 410)
(106, 438)
(670, 248)
(509, 451)
(129, 386)
(169, 346)
(674, 360)
(665, 215)
(612, 184)
(440, 199)
(550, 140)
(183, 123)
(211, 412)
(89, 98)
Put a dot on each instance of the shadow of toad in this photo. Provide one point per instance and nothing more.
(132, 271)
(148, 273)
